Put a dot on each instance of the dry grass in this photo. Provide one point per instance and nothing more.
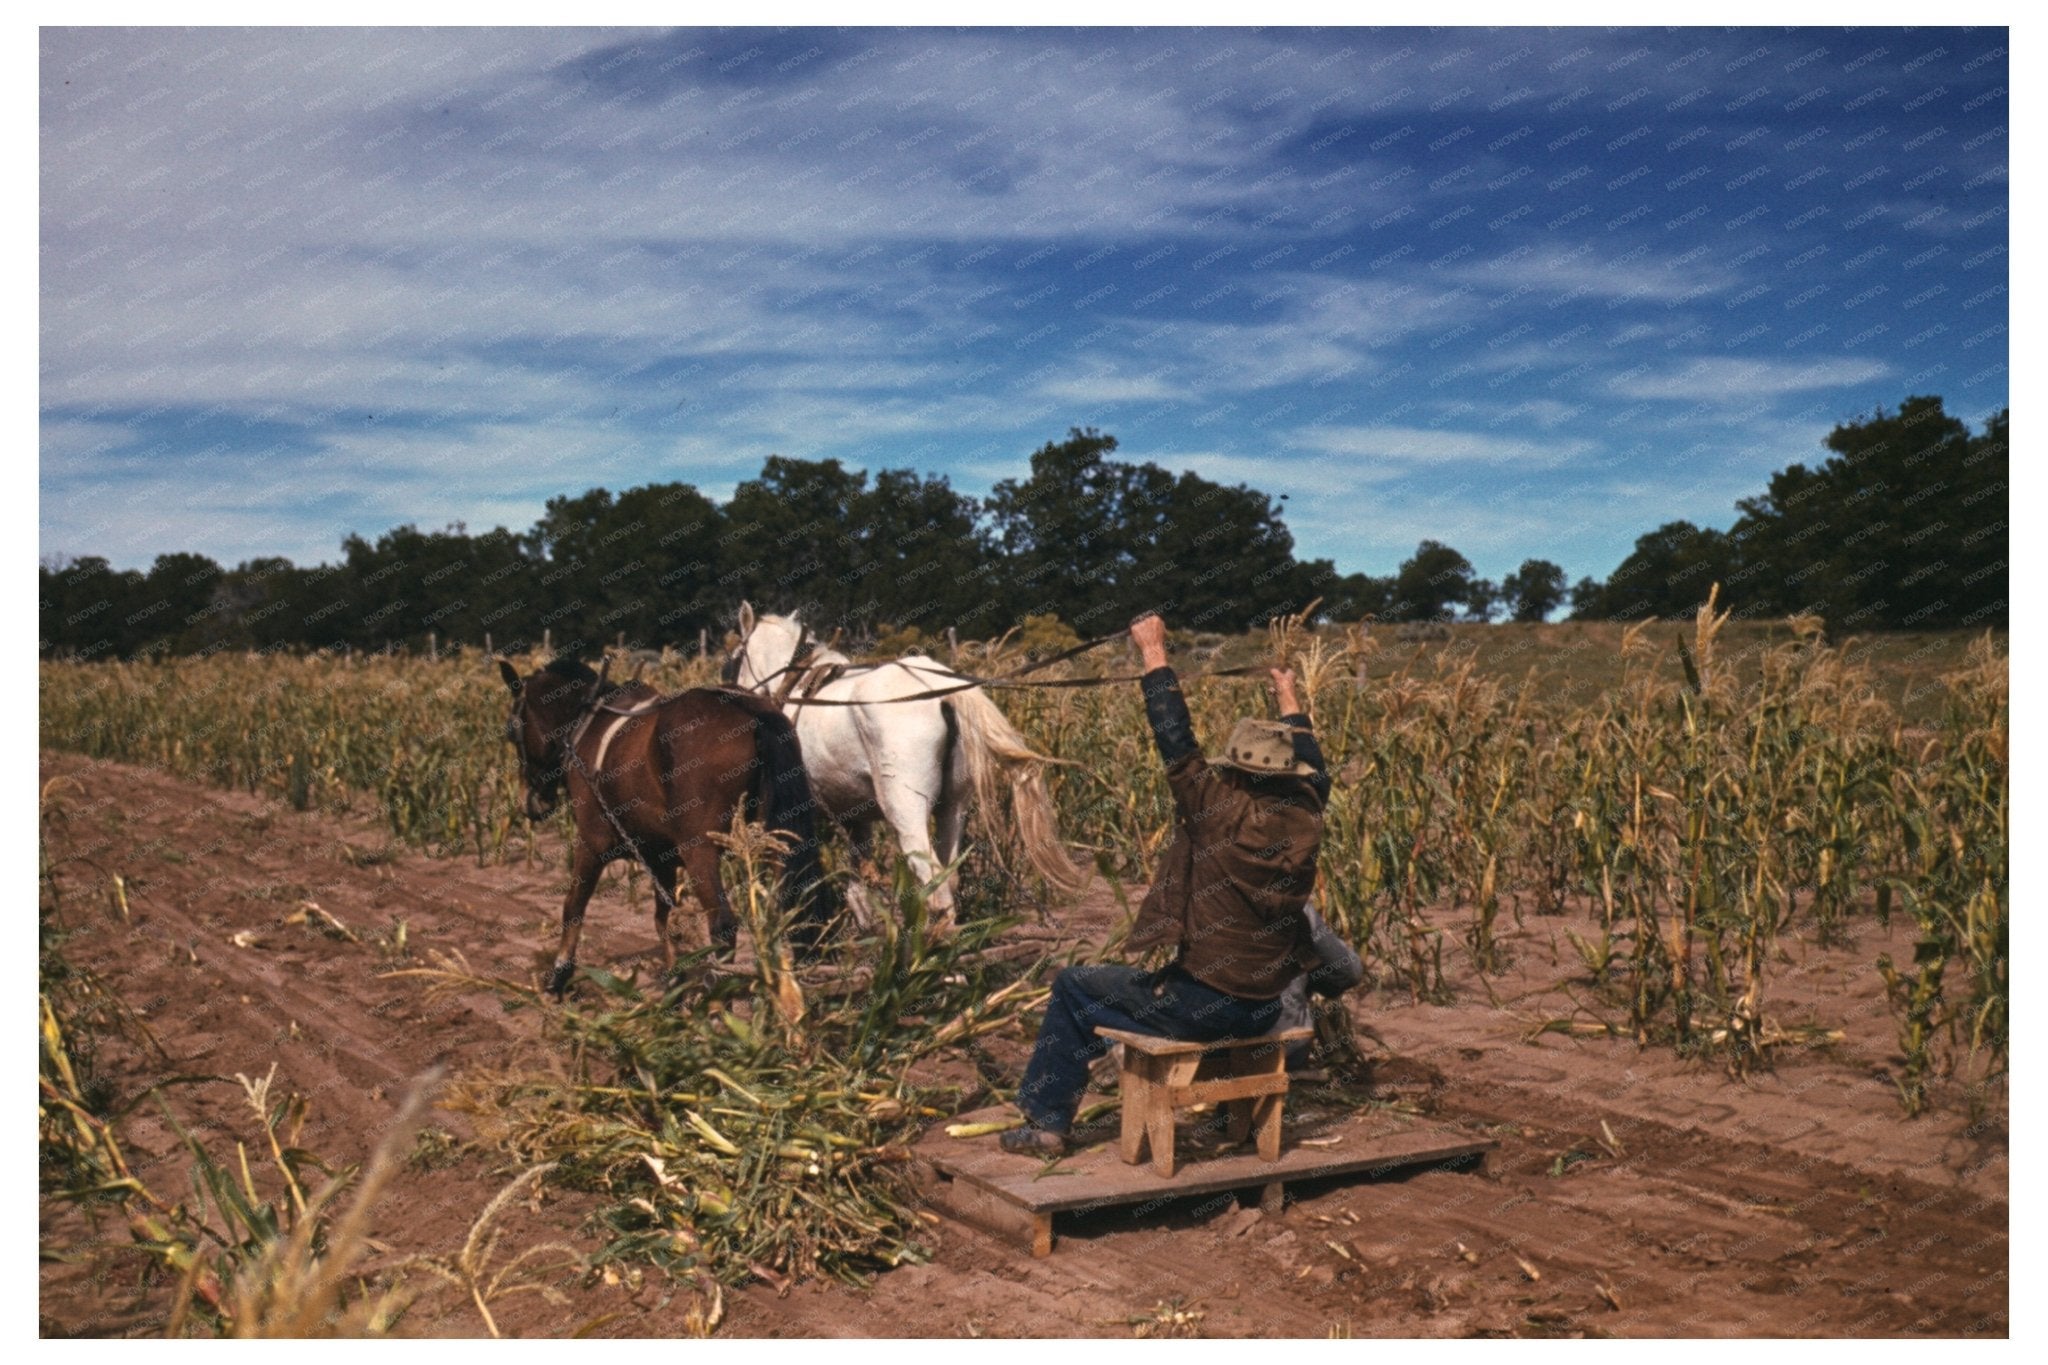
(754, 1123)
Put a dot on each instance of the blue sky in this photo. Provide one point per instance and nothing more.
(1531, 292)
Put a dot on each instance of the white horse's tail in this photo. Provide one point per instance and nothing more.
(999, 762)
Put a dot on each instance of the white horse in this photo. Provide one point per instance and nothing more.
(911, 763)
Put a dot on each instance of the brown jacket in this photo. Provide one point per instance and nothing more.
(1231, 887)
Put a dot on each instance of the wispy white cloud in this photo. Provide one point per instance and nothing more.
(1429, 446)
(1587, 271)
(1722, 379)
(368, 479)
(578, 257)
(1104, 387)
(1319, 331)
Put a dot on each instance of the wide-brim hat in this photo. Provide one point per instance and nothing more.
(1263, 748)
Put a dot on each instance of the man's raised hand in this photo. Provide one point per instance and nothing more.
(1283, 691)
(1148, 635)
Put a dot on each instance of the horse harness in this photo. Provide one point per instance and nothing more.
(594, 705)
(804, 687)
(805, 680)
(792, 673)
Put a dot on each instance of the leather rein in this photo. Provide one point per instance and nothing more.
(807, 649)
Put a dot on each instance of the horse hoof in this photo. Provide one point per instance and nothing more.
(558, 980)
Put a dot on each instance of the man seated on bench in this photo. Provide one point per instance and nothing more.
(1228, 897)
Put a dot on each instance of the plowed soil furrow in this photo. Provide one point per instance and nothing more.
(1634, 1193)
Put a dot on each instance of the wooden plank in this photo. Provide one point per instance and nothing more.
(971, 1201)
(1178, 1070)
(1226, 1088)
(1097, 1177)
(1266, 1113)
(1136, 1092)
(1154, 1046)
(1266, 1119)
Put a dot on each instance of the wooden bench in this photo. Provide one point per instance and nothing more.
(1164, 1075)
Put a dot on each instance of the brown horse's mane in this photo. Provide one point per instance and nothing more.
(575, 670)
(570, 670)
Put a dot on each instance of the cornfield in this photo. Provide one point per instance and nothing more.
(1708, 801)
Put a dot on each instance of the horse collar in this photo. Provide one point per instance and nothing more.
(799, 664)
(792, 674)
(637, 709)
(619, 718)
(582, 727)
(815, 678)
(606, 706)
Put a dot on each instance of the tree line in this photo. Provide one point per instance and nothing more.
(1082, 537)
(1905, 526)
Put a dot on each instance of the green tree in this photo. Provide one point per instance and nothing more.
(1093, 540)
(1066, 529)
(660, 565)
(786, 540)
(176, 613)
(1904, 525)
(1534, 590)
(500, 591)
(1668, 573)
(1429, 582)
(1482, 599)
(1226, 559)
(410, 582)
(249, 601)
(84, 607)
(1589, 599)
(1356, 596)
(921, 557)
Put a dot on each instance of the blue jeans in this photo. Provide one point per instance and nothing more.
(1167, 1004)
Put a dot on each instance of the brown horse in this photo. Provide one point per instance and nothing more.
(653, 777)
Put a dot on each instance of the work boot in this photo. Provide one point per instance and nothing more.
(1301, 1067)
(1041, 1143)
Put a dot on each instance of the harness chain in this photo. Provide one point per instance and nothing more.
(592, 706)
(799, 663)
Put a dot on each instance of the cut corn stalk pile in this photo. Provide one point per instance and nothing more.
(741, 1127)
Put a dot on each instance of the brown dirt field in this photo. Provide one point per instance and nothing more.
(1799, 1203)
